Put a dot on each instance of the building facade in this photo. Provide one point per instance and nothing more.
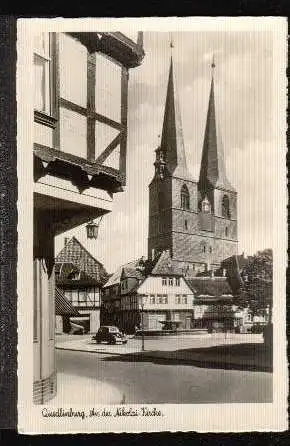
(195, 220)
(80, 277)
(79, 156)
(122, 282)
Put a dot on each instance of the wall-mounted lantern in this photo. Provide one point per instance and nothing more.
(93, 228)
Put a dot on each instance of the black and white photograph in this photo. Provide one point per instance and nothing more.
(152, 225)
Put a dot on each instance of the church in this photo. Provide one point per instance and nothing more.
(192, 230)
(195, 220)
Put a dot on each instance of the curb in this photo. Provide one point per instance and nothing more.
(92, 351)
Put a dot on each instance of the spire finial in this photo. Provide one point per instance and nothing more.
(213, 63)
(171, 43)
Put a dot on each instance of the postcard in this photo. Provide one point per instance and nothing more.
(152, 224)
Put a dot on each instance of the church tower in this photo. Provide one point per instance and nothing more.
(196, 221)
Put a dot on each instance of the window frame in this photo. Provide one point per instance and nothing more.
(226, 206)
(206, 206)
(46, 57)
(184, 198)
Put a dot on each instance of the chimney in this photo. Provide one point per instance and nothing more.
(66, 239)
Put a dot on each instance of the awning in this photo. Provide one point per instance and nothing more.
(62, 306)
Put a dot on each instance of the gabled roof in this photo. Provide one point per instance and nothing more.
(133, 273)
(115, 278)
(165, 266)
(75, 254)
(62, 306)
(215, 287)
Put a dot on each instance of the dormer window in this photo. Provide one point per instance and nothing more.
(205, 206)
(184, 197)
(75, 276)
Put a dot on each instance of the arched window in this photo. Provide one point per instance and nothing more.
(226, 207)
(161, 200)
(203, 247)
(184, 197)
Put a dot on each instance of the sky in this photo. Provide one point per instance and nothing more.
(244, 95)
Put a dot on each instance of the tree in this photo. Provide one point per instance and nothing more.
(256, 290)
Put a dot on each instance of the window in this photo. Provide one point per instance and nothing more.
(165, 299)
(184, 197)
(82, 298)
(42, 62)
(185, 299)
(152, 299)
(164, 280)
(227, 232)
(161, 200)
(160, 299)
(170, 281)
(226, 207)
(177, 281)
(205, 206)
(210, 249)
(74, 297)
(203, 247)
(177, 298)
(185, 224)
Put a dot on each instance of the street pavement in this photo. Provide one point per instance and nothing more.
(113, 379)
(224, 351)
(161, 343)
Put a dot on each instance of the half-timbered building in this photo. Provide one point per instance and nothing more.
(79, 156)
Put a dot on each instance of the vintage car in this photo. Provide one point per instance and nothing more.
(109, 334)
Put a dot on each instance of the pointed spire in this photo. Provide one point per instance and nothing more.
(213, 171)
(172, 143)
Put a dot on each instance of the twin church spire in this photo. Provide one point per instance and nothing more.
(170, 155)
(171, 152)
